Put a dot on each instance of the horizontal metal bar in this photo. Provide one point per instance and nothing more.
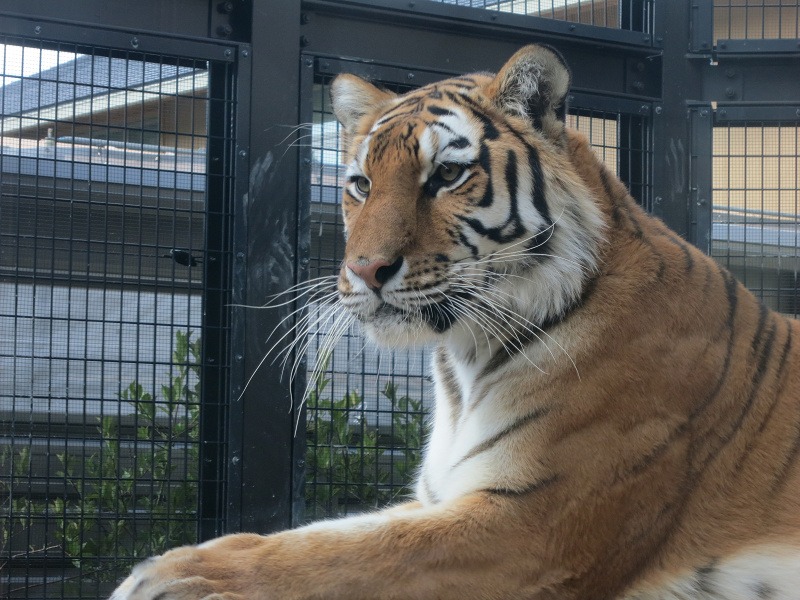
(437, 52)
(757, 46)
(131, 41)
(730, 114)
(755, 79)
(376, 72)
(427, 11)
(608, 104)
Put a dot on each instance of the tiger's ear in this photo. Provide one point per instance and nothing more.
(354, 98)
(533, 85)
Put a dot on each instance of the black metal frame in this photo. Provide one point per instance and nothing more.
(264, 48)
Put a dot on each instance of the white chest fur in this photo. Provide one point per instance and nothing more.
(477, 438)
(759, 573)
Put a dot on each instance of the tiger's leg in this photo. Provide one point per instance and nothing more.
(476, 547)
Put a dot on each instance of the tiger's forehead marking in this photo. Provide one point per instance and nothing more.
(427, 124)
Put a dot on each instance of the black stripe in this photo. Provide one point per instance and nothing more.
(730, 290)
(539, 201)
(780, 478)
(439, 111)
(485, 162)
(531, 488)
(490, 131)
(495, 439)
(459, 143)
(450, 383)
(762, 319)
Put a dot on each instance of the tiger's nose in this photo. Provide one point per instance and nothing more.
(377, 272)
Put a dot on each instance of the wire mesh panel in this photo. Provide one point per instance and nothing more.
(755, 230)
(366, 413)
(635, 15)
(103, 227)
(756, 19)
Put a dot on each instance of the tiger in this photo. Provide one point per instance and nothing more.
(616, 416)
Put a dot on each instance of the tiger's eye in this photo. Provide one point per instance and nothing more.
(363, 185)
(449, 172)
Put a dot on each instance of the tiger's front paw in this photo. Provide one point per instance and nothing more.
(223, 569)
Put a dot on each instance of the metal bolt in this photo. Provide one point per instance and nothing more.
(304, 18)
(239, 357)
(640, 67)
(797, 112)
(704, 112)
(37, 30)
(306, 161)
(211, 360)
(659, 110)
(308, 62)
(638, 86)
(730, 73)
(235, 460)
(301, 463)
(730, 93)
(644, 109)
(304, 262)
(245, 53)
(702, 202)
(304, 41)
(572, 27)
(723, 112)
(657, 200)
(410, 76)
(723, 46)
(240, 256)
(135, 42)
(225, 7)
(242, 153)
(228, 52)
(571, 99)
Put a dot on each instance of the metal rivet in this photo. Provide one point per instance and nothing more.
(304, 262)
(228, 52)
(702, 202)
(308, 62)
(730, 73)
(657, 200)
(37, 30)
(722, 112)
(245, 53)
(239, 357)
(235, 460)
(572, 27)
(304, 41)
(410, 76)
(242, 153)
(224, 30)
(135, 42)
(240, 256)
(659, 110)
(704, 112)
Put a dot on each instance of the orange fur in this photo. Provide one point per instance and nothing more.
(675, 448)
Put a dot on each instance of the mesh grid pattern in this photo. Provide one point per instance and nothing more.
(756, 19)
(755, 231)
(102, 235)
(635, 15)
(366, 418)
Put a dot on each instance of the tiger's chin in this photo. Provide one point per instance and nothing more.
(389, 326)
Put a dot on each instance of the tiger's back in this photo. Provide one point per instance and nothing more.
(616, 416)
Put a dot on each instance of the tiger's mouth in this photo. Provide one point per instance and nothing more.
(439, 316)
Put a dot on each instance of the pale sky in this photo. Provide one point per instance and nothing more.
(17, 61)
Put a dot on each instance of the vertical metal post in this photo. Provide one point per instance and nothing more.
(671, 134)
(215, 351)
(262, 421)
(700, 175)
(702, 26)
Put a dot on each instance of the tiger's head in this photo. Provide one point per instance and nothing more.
(464, 215)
